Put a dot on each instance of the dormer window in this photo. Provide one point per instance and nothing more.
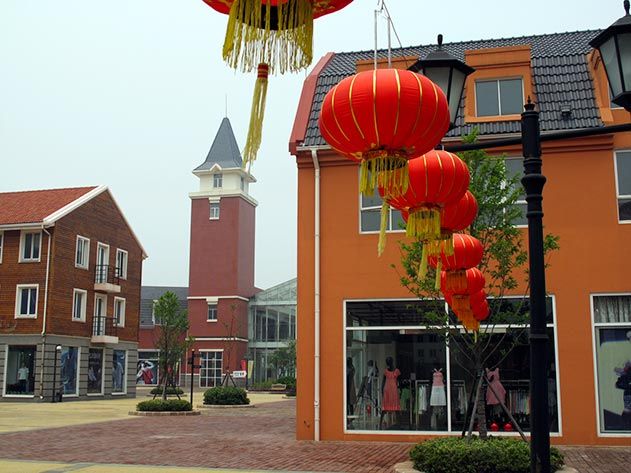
(499, 97)
(217, 180)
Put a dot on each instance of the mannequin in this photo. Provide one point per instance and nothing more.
(373, 372)
(351, 393)
(390, 390)
(438, 399)
(494, 381)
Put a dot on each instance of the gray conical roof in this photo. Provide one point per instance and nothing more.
(224, 151)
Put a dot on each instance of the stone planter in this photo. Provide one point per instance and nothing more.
(164, 413)
(408, 467)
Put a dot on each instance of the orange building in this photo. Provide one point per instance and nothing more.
(355, 315)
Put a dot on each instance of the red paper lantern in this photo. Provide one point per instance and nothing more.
(474, 282)
(467, 253)
(457, 216)
(384, 117)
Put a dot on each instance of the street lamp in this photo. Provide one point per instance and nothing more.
(54, 393)
(614, 45)
(447, 72)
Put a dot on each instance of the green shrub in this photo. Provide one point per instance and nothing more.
(289, 381)
(226, 396)
(262, 385)
(164, 406)
(170, 391)
(494, 455)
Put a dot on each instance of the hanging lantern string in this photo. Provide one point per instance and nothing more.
(382, 9)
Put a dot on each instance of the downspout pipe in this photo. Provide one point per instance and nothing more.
(316, 297)
(41, 366)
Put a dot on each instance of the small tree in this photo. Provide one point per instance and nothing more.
(503, 265)
(171, 340)
(284, 359)
(232, 331)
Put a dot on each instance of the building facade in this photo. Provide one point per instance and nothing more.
(357, 321)
(70, 272)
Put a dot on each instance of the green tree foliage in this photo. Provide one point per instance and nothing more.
(284, 359)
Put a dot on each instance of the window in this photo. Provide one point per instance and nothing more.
(147, 367)
(214, 210)
(515, 168)
(69, 370)
(623, 173)
(242, 184)
(119, 364)
(100, 305)
(20, 371)
(211, 368)
(212, 313)
(83, 252)
(119, 311)
(121, 263)
(95, 371)
(612, 338)
(217, 180)
(26, 300)
(370, 215)
(79, 300)
(1, 241)
(498, 97)
(30, 246)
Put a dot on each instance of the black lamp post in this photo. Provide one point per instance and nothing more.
(614, 45)
(54, 393)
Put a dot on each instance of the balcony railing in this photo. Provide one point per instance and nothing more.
(104, 329)
(106, 278)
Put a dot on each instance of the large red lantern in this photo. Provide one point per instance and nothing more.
(474, 282)
(383, 118)
(467, 253)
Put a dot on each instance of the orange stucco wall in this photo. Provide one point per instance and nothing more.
(580, 207)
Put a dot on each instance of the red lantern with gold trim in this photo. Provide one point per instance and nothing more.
(474, 282)
(481, 311)
(467, 254)
(384, 117)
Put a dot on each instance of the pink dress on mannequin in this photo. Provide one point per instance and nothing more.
(494, 382)
(391, 392)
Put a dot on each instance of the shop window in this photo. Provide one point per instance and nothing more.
(499, 97)
(401, 375)
(212, 313)
(119, 364)
(95, 371)
(26, 300)
(69, 369)
(30, 243)
(211, 368)
(370, 215)
(612, 327)
(515, 168)
(20, 371)
(82, 252)
(214, 210)
(623, 173)
(121, 263)
(147, 368)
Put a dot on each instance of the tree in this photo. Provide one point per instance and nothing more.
(503, 264)
(171, 340)
(284, 359)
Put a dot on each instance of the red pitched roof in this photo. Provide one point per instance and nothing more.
(35, 206)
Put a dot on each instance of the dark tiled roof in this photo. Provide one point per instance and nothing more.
(224, 150)
(148, 294)
(559, 72)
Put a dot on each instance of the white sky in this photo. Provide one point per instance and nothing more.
(130, 94)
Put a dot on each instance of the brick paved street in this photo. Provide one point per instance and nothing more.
(261, 438)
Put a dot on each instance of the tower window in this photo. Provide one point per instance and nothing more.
(217, 180)
(214, 210)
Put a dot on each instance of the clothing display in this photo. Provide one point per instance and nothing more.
(438, 397)
(351, 393)
(495, 392)
(391, 391)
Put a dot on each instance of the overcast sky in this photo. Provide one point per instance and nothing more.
(130, 94)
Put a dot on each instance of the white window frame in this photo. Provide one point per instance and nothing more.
(215, 305)
(389, 228)
(618, 196)
(95, 315)
(199, 377)
(217, 180)
(23, 234)
(124, 391)
(499, 97)
(84, 304)
(85, 264)
(119, 301)
(214, 205)
(1, 244)
(153, 312)
(596, 326)
(18, 300)
(521, 201)
(122, 269)
(102, 277)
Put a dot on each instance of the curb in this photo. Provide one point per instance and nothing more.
(164, 413)
(408, 467)
(221, 406)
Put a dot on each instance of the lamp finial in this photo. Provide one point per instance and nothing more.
(440, 37)
(529, 107)
(626, 7)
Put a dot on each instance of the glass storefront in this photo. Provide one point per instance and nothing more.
(147, 369)
(211, 368)
(612, 325)
(404, 375)
(119, 363)
(95, 371)
(69, 369)
(20, 371)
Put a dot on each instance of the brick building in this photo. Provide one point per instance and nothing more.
(70, 274)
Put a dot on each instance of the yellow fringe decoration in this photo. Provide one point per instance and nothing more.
(257, 113)
(456, 281)
(385, 211)
(281, 36)
(461, 306)
(447, 245)
(439, 270)
(424, 224)
(383, 169)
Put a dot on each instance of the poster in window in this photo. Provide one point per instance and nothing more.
(69, 363)
(614, 379)
(118, 371)
(95, 371)
(147, 371)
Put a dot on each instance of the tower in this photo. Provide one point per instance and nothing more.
(221, 270)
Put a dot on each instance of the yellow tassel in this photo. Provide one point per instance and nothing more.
(281, 35)
(384, 169)
(456, 281)
(385, 211)
(439, 269)
(257, 113)
(422, 269)
(448, 244)
(424, 224)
